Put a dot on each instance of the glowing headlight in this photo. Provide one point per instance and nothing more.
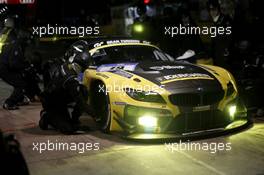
(232, 110)
(1, 46)
(138, 28)
(147, 121)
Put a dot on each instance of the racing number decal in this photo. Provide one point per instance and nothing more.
(116, 68)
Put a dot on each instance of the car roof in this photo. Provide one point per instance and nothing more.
(106, 40)
(92, 40)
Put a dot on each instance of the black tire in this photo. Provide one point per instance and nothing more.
(43, 122)
(102, 108)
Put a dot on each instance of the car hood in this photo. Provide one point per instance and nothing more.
(176, 77)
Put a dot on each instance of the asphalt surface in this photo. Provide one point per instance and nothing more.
(110, 154)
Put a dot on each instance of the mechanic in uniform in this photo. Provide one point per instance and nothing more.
(64, 98)
(220, 43)
(12, 65)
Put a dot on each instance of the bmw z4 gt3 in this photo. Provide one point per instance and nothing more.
(142, 92)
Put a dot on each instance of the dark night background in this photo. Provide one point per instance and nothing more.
(116, 17)
(241, 53)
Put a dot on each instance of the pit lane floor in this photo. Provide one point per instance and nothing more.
(118, 156)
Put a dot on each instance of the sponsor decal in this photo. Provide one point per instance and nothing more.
(114, 67)
(124, 41)
(123, 73)
(121, 41)
(201, 108)
(166, 67)
(98, 44)
(119, 103)
(183, 76)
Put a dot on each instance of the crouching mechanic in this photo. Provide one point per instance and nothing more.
(64, 98)
(13, 64)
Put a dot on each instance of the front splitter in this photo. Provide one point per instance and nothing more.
(231, 128)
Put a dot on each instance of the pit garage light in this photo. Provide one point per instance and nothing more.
(138, 28)
(232, 110)
(147, 121)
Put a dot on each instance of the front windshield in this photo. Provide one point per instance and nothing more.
(128, 53)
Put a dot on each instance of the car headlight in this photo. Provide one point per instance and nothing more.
(230, 89)
(145, 96)
(147, 121)
(232, 111)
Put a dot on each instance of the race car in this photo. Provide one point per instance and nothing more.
(143, 93)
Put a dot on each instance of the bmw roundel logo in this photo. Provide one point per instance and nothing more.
(199, 89)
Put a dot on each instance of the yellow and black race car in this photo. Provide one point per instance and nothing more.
(142, 92)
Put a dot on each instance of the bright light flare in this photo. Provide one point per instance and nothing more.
(138, 28)
(232, 110)
(147, 121)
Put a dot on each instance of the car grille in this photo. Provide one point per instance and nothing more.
(196, 99)
(198, 121)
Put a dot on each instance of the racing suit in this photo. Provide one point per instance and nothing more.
(16, 70)
(63, 99)
(11, 65)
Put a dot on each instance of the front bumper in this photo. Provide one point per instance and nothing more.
(187, 124)
(232, 127)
